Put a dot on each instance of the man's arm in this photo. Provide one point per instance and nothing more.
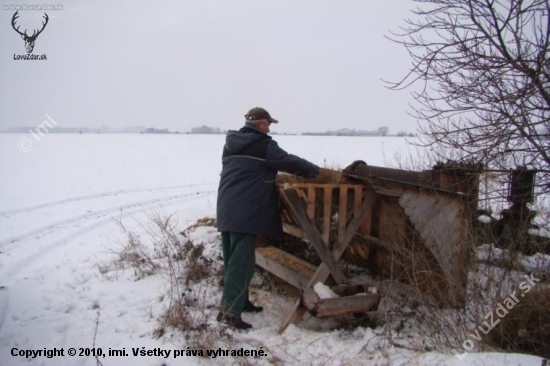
(279, 159)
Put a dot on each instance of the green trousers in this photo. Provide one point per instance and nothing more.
(239, 260)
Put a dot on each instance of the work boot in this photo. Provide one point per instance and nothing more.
(233, 321)
(249, 307)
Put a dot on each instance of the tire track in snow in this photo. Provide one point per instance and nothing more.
(96, 195)
(89, 215)
(31, 258)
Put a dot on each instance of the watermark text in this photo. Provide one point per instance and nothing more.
(25, 144)
(33, 7)
(490, 320)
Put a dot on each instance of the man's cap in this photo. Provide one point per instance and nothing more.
(257, 114)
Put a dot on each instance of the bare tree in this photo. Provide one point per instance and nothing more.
(484, 69)
(383, 130)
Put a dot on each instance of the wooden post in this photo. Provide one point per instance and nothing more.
(327, 206)
(311, 202)
(342, 210)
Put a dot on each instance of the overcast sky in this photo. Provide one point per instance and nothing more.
(314, 65)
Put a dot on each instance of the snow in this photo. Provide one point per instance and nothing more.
(531, 263)
(323, 291)
(484, 219)
(61, 206)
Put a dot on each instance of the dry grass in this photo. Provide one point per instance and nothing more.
(132, 254)
(325, 176)
(135, 255)
(172, 253)
(189, 274)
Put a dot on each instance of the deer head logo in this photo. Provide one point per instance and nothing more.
(29, 40)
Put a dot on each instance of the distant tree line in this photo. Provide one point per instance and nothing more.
(381, 131)
(157, 130)
(343, 132)
(206, 130)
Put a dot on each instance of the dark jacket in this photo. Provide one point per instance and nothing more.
(248, 201)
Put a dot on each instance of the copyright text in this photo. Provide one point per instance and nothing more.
(138, 352)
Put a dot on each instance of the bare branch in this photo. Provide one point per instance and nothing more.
(484, 68)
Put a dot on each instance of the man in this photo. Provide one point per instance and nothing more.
(248, 206)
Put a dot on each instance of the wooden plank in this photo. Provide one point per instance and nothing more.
(289, 260)
(302, 193)
(352, 304)
(322, 272)
(287, 267)
(367, 225)
(349, 290)
(298, 210)
(359, 303)
(358, 196)
(309, 297)
(396, 188)
(344, 289)
(342, 212)
(298, 311)
(366, 206)
(327, 206)
(286, 217)
(294, 231)
(311, 202)
(371, 171)
(307, 185)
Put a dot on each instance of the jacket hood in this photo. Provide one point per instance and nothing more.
(237, 141)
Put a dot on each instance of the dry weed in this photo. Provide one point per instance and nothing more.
(526, 326)
(132, 254)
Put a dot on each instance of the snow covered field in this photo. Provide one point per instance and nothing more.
(59, 203)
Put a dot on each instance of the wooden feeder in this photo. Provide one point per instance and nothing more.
(397, 224)
(349, 205)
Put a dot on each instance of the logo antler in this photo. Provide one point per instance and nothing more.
(29, 40)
